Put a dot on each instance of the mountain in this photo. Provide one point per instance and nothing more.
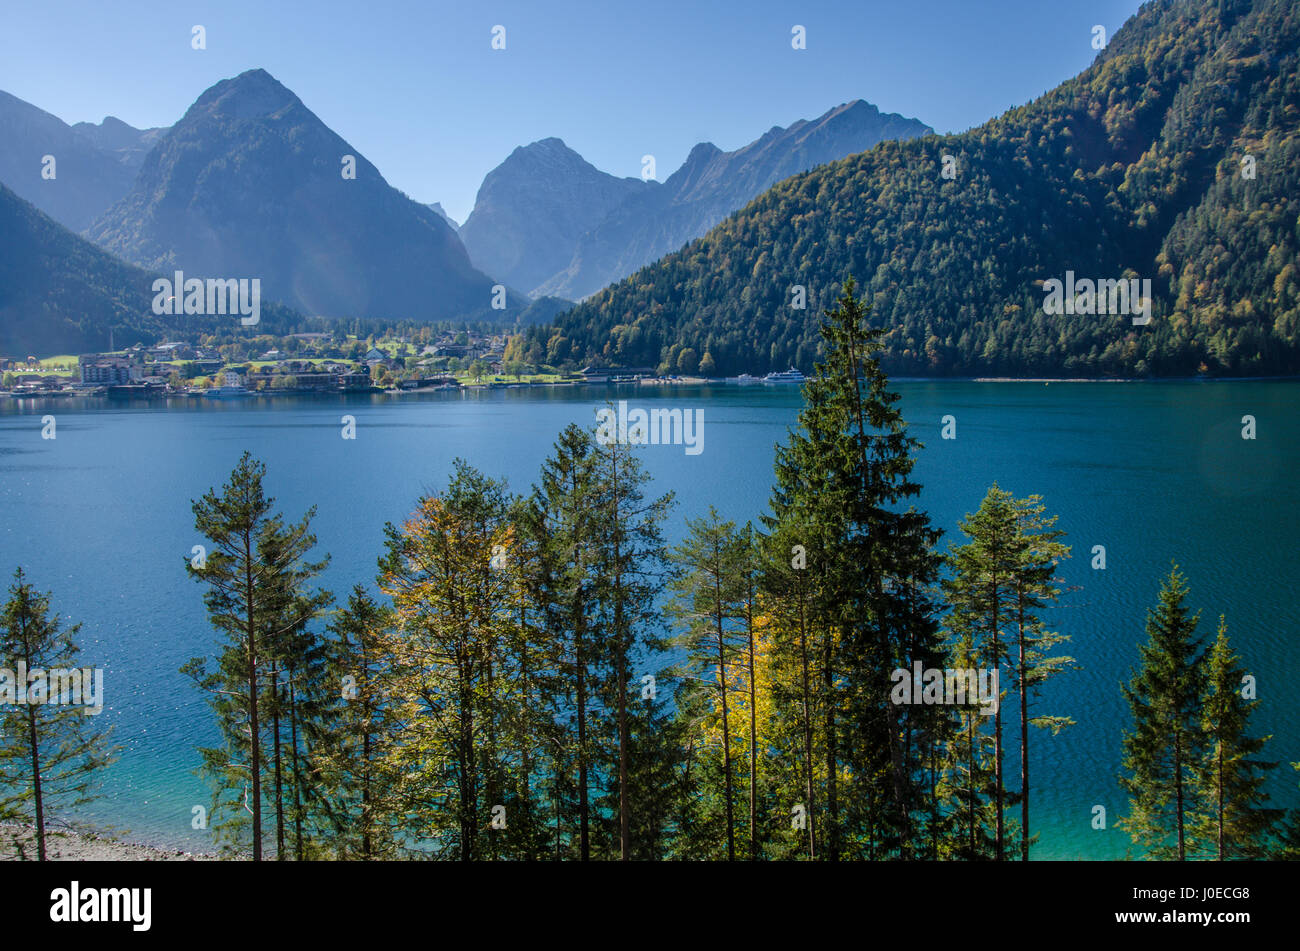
(61, 294)
(1172, 158)
(58, 292)
(533, 208)
(249, 183)
(437, 209)
(710, 185)
(127, 143)
(89, 176)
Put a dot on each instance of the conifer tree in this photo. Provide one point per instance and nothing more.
(840, 480)
(1166, 743)
(709, 592)
(51, 746)
(1034, 663)
(363, 727)
(982, 599)
(255, 574)
(561, 519)
(1235, 823)
(630, 569)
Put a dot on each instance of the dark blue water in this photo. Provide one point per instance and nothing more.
(1154, 472)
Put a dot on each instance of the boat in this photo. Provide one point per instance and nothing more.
(746, 378)
(789, 376)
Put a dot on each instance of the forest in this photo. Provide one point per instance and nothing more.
(541, 676)
(1173, 159)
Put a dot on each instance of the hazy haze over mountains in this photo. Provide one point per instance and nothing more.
(548, 221)
(248, 184)
(94, 165)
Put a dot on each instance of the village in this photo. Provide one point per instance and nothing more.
(302, 364)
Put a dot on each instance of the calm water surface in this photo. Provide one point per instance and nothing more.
(1156, 472)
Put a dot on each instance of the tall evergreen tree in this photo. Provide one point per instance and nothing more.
(631, 568)
(709, 597)
(363, 727)
(840, 480)
(1230, 779)
(1165, 745)
(51, 747)
(561, 525)
(256, 576)
(1035, 589)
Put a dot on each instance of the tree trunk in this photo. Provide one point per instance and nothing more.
(1024, 741)
(279, 775)
(297, 773)
(726, 728)
(832, 799)
(753, 734)
(807, 728)
(255, 740)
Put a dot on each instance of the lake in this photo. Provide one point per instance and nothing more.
(100, 516)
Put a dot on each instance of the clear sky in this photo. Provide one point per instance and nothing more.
(416, 87)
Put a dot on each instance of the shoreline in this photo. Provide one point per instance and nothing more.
(594, 384)
(68, 845)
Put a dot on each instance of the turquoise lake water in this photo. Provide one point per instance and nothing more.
(1155, 472)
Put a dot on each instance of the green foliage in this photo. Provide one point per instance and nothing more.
(1164, 747)
(1131, 169)
(50, 752)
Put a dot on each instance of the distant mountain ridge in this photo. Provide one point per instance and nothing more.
(249, 183)
(532, 210)
(94, 165)
(125, 141)
(1174, 158)
(552, 223)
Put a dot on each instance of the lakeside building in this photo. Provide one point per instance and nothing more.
(99, 370)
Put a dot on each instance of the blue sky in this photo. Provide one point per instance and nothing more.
(417, 89)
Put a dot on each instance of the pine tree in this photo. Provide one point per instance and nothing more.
(982, 598)
(1163, 748)
(1230, 779)
(1035, 590)
(255, 573)
(838, 483)
(51, 749)
(709, 599)
(630, 569)
(362, 728)
(561, 529)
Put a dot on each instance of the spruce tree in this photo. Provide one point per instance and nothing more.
(1230, 779)
(707, 606)
(1164, 747)
(363, 727)
(1035, 589)
(840, 482)
(561, 527)
(256, 574)
(630, 569)
(51, 751)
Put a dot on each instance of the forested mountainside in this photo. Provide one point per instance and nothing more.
(1173, 159)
